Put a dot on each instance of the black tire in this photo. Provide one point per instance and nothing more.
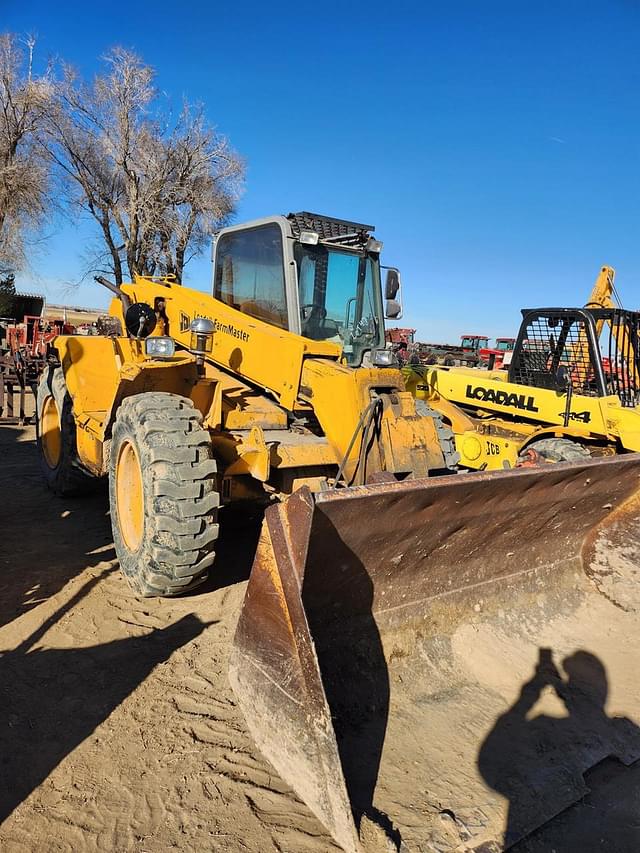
(179, 503)
(560, 450)
(445, 434)
(63, 474)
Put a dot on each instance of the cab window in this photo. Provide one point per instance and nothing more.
(339, 294)
(249, 274)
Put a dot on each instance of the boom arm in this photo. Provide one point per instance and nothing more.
(603, 290)
(295, 368)
(603, 296)
(264, 355)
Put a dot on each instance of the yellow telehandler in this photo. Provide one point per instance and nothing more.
(394, 607)
(571, 389)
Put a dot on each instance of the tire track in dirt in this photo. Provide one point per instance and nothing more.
(122, 705)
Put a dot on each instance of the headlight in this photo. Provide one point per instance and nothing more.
(159, 347)
(309, 238)
(385, 358)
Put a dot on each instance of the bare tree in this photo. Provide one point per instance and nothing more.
(155, 187)
(24, 175)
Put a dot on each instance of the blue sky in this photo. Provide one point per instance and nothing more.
(495, 145)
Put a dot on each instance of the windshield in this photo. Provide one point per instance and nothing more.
(340, 299)
(474, 343)
(504, 345)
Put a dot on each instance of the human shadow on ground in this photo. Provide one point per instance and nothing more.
(45, 540)
(53, 699)
(544, 764)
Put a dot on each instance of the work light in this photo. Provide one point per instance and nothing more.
(385, 358)
(159, 347)
(310, 238)
(201, 336)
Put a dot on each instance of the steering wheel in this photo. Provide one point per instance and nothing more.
(315, 318)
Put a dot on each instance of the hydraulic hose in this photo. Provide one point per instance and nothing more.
(362, 426)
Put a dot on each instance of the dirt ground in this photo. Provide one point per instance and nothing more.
(120, 731)
(119, 728)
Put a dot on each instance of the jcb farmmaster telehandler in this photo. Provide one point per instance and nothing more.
(379, 592)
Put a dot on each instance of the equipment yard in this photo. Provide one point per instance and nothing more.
(425, 659)
(281, 570)
(121, 732)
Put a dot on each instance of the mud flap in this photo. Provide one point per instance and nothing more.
(436, 654)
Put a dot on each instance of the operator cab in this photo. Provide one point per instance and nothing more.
(505, 344)
(473, 343)
(313, 275)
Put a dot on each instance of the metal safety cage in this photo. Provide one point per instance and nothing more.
(619, 338)
(555, 338)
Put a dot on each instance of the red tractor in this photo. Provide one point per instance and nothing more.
(465, 353)
(496, 357)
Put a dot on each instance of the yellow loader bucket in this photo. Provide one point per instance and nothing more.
(450, 658)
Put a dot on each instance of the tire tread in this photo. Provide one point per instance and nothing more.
(181, 500)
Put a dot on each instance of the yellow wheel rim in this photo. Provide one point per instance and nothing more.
(50, 433)
(130, 496)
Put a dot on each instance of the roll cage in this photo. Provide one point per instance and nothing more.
(598, 349)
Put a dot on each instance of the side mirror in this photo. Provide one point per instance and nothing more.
(392, 283)
(140, 320)
(392, 309)
(393, 302)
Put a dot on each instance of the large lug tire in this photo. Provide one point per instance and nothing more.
(559, 450)
(445, 434)
(56, 437)
(162, 493)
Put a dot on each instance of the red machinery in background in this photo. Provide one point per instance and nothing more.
(402, 341)
(496, 357)
(466, 353)
(23, 354)
(472, 351)
(400, 336)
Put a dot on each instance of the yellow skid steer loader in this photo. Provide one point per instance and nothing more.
(395, 608)
(570, 391)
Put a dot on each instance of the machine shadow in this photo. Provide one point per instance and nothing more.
(538, 762)
(45, 540)
(338, 598)
(235, 549)
(53, 699)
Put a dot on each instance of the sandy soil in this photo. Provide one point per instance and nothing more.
(119, 729)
